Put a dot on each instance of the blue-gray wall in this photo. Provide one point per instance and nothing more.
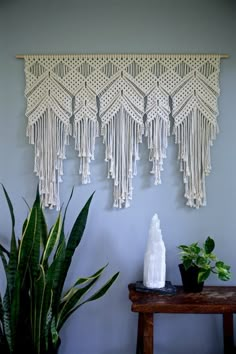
(119, 236)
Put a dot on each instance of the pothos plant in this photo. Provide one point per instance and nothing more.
(35, 306)
(204, 259)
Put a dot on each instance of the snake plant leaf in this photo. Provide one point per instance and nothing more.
(40, 233)
(7, 320)
(10, 206)
(51, 276)
(3, 249)
(54, 273)
(15, 309)
(51, 240)
(55, 335)
(62, 236)
(1, 311)
(38, 288)
(24, 225)
(26, 244)
(43, 229)
(4, 261)
(67, 205)
(47, 319)
(103, 289)
(74, 240)
(12, 265)
(98, 294)
(72, 298)
(82, 281)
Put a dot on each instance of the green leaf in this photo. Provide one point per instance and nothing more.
(4, 261)
(51, 240)
(7, 320)
(10, 208)
(70, 306)
(74, 240)
(4, 250)
(184, 248)
(81, 281)
(203, 275)
(201, 261)
(1, 310)
(27, 243)
(209, 245)
(16, 303)
(103, 290)
(195, 249)
(70, 300)
(64, 217)
(12, 264)
(55, 335)
(187, 263)
(224, 275)
(38, 289)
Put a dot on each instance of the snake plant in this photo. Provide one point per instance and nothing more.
(35, 305)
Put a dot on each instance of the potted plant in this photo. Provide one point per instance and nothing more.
(198, 263)
(35, 305)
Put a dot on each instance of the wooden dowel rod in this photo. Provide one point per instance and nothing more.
(22, 56)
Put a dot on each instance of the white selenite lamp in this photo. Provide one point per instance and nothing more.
(154, 274)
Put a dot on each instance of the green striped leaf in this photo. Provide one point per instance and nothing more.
(10, 209)
(82, 281)
(1, 309)
(68, 309)
(39, 289)
(51, 240)
(72, 298)
(74, 240)
(27, 244)
(103, 290)
(7, 320)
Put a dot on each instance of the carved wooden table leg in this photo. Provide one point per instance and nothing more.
(228, 327)
(148, 333)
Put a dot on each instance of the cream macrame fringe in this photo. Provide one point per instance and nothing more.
(194, 137)
(85, 133)
(121, 136)
(195, 112)
(49, 135)
(157, 129)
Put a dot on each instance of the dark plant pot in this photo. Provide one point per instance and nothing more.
(189, 279)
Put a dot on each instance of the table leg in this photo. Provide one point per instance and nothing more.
(139, 347)
(228, 327)
(148, 333)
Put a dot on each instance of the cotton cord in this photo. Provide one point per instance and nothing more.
(130, 94)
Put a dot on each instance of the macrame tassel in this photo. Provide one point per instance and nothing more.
(121, 136)
(194, 136)
(157, 129)
(49, 136)
(85, 133)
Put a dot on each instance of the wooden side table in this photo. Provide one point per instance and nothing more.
(212, 300)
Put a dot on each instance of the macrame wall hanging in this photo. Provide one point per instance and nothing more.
(129, 95)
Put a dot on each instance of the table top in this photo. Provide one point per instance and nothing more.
(213, 299)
